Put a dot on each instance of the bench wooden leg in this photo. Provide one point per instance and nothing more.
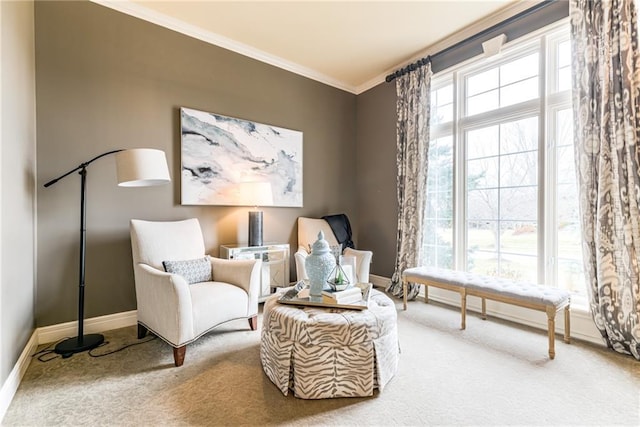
(404, 293)
(551, 316)
(463, 308)
(484, 309)
(567, 325)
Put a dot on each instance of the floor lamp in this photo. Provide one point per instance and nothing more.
(139, 167)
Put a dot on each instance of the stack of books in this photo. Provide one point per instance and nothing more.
(347, 296)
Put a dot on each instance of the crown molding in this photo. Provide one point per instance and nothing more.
(138, 11)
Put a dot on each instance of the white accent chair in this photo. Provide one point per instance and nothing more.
(170, 307)
(308, 229)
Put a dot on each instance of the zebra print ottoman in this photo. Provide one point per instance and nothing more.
(321, 353)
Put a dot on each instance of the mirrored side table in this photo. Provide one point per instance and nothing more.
(275, 263)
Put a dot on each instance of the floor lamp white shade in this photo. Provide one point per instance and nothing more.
(142, 167)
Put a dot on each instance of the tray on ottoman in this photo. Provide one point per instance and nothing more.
(291, 297)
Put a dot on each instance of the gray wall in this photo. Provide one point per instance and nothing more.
(106, 80)
(376, 192)
(17, 172)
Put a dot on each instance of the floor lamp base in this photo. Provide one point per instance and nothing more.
(78, 344)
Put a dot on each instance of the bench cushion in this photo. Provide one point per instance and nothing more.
(537, 294)
(441, 275)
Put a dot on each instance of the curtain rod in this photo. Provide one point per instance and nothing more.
(427, 59)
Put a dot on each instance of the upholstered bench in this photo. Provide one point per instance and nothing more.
(328, 352)
(535, 297)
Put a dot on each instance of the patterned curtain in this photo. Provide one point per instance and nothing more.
(606, 108)
(412, 108)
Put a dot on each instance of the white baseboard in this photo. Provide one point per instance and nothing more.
(94, 325)
(379, 281)
(12, 382)
(54, 333)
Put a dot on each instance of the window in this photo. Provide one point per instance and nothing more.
(501, 191)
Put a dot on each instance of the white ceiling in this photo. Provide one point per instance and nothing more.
(351, 45)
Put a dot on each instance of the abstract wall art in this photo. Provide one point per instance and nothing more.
(220, 152)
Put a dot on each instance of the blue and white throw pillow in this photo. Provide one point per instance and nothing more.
(193, 270)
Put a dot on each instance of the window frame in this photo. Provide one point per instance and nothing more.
(546, 42)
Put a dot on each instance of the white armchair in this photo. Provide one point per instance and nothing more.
(168, 305)
(308, 229)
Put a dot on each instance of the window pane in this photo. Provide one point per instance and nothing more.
(502, 194)
(519, 204)
(443, 114)
(519, 238)
(520, 69)
(483, 82)
(486, 101)
(438, 227)
(519, 135)
(444, 205)
(483, 142)
(564, 128)
(571, 276)
(519, 169)
(518, 267)
(442, 105)
(566, 165)
(519, 92)
(564, 54)
(564, 79)
(563, 67)
(445, 95)
(482, 238)
(569, 265)
(483, 173)
(482, 204)
(430, 232)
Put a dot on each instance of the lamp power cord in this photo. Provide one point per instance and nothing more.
(44, 355)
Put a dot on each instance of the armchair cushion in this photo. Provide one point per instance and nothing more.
(193, 270)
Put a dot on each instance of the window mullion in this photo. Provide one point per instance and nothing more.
(543, 184)
(459, 178)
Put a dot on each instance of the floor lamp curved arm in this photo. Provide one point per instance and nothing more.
(136, 168)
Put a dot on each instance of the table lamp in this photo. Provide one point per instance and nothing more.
(255, 193)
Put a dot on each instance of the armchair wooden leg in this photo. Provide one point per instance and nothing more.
(142, 331)
(253, 322)
(178, 355)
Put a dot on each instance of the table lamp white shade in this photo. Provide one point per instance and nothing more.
(255, 193)
(142, 167)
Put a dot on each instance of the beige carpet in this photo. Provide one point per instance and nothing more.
(494, 373)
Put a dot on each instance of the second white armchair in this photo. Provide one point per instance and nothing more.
(308, 229)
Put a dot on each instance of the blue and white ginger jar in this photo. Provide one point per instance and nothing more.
(319, 265)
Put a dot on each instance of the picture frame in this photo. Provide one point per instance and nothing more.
(218, 153)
